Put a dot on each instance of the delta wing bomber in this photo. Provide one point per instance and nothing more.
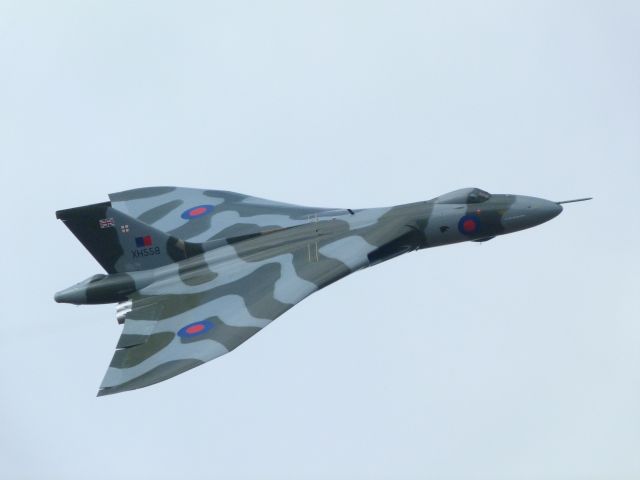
(195, 273)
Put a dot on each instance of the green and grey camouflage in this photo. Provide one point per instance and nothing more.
(195, 273)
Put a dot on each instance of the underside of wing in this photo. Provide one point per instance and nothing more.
(202, 313)
(206, 305)
(173, 328)
(203, 215)
(166, 335)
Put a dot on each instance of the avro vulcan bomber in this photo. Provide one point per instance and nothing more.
(195, 273)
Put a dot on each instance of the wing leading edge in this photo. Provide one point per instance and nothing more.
(203, 215)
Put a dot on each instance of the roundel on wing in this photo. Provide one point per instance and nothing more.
(195, 329)
(197, 211)
(469, 224)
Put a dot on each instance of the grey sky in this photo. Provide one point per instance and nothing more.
(515, 359)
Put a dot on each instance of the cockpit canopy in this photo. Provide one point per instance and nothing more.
(464, 195)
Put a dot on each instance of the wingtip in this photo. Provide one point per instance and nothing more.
(103, 391)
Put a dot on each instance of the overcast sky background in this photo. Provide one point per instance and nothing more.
(515, 359)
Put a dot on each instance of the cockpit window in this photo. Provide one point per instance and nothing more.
(478, 196)
(465, 195)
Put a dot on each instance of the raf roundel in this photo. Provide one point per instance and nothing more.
(469, 224)
(195, 329)
(197, 211)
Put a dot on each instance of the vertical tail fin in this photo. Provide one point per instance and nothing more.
(121, 243)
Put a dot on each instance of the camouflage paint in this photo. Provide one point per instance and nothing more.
(222, 265)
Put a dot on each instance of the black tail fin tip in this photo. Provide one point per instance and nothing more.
(121, 243)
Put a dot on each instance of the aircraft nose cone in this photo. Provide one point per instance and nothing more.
(527, 212)
(554, 209)
(545, 210)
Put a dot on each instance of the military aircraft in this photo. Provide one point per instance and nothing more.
(195, 273)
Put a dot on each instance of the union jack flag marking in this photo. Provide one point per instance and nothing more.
(106, 223)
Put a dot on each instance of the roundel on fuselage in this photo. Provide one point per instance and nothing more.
(469, 224)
